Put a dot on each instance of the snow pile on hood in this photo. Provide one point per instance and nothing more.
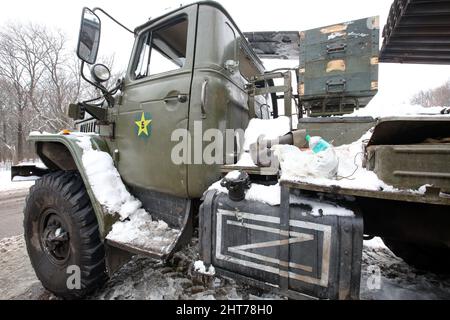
(108, 188)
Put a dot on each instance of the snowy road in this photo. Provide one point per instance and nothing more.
(11, 208)
(143, 278)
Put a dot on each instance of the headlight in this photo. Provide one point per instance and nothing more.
(100, 73)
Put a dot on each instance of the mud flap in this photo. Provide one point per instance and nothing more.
(27, 172)
(296, 253)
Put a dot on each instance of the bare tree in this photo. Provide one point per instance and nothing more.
(39, 78)
(438, 97)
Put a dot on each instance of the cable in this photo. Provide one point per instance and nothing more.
(349, 177)
(281, 69)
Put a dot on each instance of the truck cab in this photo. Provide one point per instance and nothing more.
(187, 74)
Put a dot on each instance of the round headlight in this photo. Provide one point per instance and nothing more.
(100, 73)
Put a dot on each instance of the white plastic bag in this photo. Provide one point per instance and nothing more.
(297, 163)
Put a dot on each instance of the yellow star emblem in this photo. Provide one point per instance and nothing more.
(143, 125)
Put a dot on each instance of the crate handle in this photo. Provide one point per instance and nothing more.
(336, 48)
(336, 86)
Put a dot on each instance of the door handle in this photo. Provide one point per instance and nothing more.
(203, 99)
(182, 98)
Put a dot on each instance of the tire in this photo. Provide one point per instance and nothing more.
(421, 256)
(61, 231)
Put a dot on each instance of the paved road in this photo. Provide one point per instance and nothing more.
(11, 216)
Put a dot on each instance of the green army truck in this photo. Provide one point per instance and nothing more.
(193, 70)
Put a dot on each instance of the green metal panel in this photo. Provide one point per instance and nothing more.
(412, 166)
(339, 66)
(409, 152)
(145, 158)
(337, 130)
(105, 220)
(225, 100)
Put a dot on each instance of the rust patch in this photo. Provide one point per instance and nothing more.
(301, 89)
(335, 28)
(373, 23)
(302, 35)
(336, 65)
(374, 60)
(374, 85)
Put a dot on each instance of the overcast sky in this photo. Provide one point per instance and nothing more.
(397, 83)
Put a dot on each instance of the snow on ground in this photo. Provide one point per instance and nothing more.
(387, 277)
(144, 278)
(136, 226)
(7, 185)
(199, 266)
(16, 274)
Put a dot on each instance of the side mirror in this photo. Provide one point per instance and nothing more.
(89, 37)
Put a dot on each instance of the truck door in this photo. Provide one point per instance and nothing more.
(156, 102)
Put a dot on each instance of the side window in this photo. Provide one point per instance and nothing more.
(162, 49)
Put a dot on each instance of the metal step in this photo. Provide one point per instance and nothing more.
(162, 244)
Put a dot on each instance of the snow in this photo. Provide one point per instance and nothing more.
(296, 163)
(335, 35)
(322, 208)
(267, 194)
(233, 175)
(7, 185)
(141, 231)
(271, 195)
(381, 109)
(199, 266)
(355, 34)
(375, 242)
(105, 180)
(245, 160)
(350, 173)
(39, 133)
(29, 178)
(36, 163)
(136, 226)
(270, 129)
(19, 182)
(257, 127)
(144, 278)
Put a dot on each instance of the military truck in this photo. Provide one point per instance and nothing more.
(209, 72)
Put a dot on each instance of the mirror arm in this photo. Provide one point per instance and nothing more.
(109, 16)
(105, 92)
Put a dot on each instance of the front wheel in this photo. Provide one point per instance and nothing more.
(62, 236)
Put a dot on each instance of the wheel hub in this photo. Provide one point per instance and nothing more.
(55, 238)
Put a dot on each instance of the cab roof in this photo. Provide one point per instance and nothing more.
(246, 46)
